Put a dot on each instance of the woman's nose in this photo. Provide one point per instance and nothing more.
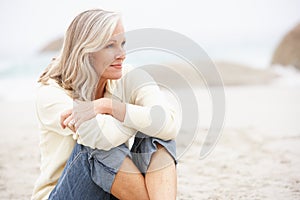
(121, 54)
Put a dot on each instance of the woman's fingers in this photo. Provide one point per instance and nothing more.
(81, 112)
(70, 123)
(64, 115)
(68, 120)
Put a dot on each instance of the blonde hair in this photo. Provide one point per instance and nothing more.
(72, 69)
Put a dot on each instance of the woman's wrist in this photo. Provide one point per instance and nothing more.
(118, 110)
(111, 107)
(103, 106)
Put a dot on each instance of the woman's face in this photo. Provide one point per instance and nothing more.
(108, 61)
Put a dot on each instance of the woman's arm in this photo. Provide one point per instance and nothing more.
(147, 109)
(50, 103)
(94, 125)
(102, 132)
(112, 107)
(151, 114)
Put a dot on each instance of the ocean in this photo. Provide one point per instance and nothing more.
(18, 77)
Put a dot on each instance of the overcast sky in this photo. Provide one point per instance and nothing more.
(26, 26)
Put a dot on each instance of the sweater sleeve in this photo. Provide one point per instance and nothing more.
(147, 110)
(51, 101)
(102, 132)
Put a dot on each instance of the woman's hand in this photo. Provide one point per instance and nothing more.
(111, 107)
(67, 120)
(103, 106)
(83, 111)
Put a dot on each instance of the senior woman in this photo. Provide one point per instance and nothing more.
(89, 104)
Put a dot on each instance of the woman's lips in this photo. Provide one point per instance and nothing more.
(117, 66)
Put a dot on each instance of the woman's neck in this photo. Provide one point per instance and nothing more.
(100, 88)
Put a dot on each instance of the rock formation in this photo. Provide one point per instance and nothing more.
(288, 51)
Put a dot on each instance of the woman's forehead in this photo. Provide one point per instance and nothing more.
(119, 28)
(118, 33)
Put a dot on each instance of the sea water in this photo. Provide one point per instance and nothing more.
(18, 77)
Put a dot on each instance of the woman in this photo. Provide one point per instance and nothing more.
(89, 105)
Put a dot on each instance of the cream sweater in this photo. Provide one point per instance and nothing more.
(146, 111)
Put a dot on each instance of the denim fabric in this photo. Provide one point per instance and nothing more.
(89, 173)
(104, 165)
(143, 148)
(76, 182)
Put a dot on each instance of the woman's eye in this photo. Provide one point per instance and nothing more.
(110, 46)
(123, 43)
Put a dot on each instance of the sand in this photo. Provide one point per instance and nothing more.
(257, 155)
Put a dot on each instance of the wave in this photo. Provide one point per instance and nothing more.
(18, 78)
(287, 75)
(24, 67)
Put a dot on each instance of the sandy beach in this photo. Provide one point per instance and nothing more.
(252, 46)
(257, 155)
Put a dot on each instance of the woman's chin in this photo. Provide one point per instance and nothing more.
(114, 76)
(112, 73)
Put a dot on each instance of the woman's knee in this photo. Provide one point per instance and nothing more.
(160, 159)
(129, 183)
